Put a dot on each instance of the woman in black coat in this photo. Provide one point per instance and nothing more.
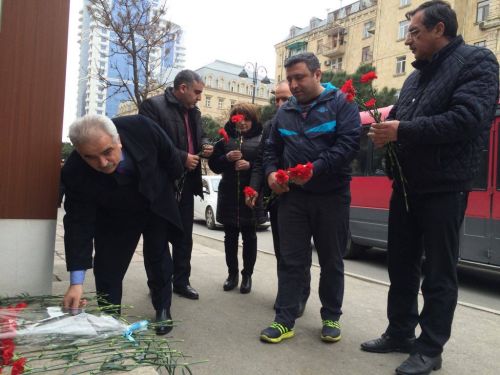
(234, 159)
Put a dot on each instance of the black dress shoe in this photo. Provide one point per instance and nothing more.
(419, 364)
(302, 307)
(163, 322)
(231, 282)
(387, 344)
(246, 284)
(186, 291)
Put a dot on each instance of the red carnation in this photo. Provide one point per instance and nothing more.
(18, 366)
(7, 351)
(281, 177)
(222, 132)
(370, 103)
(368, 77)
(21, 305)
(237, 118)
(301, 171)
(349, 90)
(249, 192)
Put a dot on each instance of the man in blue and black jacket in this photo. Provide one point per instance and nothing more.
(320, 126)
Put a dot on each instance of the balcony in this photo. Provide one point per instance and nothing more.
(332, 51)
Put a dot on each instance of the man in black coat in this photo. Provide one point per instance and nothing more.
(119, 186)
(439, 126)
(176, 113)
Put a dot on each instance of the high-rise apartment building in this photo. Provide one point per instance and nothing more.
(97, 58)
(373, 32)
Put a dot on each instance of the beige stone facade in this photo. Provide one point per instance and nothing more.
(223, 88)
(373, 31)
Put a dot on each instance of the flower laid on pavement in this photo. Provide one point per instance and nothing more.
(36, 336)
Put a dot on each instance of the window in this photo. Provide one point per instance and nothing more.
(366, 29)
(400, 65)
(220, 84)
(209, 81)
(207, 101)
(319, 46)
(403, 3)
(483, 9)
(337, 63)
(482, 43)
(220, 104)
(366, 55)
(403, 29)
(358, 165)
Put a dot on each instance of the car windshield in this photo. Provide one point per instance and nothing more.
(215, 184)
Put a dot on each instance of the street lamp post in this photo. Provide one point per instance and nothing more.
(255, 69)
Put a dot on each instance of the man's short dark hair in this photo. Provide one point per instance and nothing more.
(186, 77)
(308, 58)
(436, 11)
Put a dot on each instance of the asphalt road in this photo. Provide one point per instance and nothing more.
(477, 287)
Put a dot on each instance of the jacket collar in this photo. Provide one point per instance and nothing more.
(439, 56)
(171, 99)
(325, 95)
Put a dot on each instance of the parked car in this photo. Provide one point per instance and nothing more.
(206, 208)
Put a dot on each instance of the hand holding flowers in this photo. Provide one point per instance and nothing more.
(250, 196)
(381, 133)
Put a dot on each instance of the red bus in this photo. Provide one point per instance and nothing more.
(371, 190)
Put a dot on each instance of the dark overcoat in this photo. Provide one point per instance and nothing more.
(168, 112)
(91, 195)
(231, 208)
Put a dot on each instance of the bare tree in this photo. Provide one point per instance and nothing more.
(139, 35)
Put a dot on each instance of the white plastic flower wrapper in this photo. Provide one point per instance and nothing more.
(61, 327)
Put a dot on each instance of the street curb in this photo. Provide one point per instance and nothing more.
(207, 240)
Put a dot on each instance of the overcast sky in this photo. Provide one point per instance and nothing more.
(234, 31)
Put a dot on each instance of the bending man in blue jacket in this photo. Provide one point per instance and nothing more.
(320, 126)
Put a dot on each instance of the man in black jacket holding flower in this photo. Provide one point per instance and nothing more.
(438, 127)
(176, 113)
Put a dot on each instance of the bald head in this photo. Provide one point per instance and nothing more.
(282, 93)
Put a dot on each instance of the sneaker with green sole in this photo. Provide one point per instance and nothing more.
(276, 332)
(330, 331)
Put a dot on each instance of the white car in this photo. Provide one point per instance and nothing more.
(206, 208)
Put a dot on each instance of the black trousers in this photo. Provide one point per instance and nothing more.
(273, 218)
(325, 218)
(115, 242)
(249, 235)
(182, 249)
(432, 225)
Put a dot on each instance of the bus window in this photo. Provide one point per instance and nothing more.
(480, 182)
(378, 161)
(358, 165)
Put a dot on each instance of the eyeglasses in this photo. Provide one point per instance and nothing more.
(412, 34)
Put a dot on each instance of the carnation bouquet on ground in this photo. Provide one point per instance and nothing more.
(369, 104)
(37, 336)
